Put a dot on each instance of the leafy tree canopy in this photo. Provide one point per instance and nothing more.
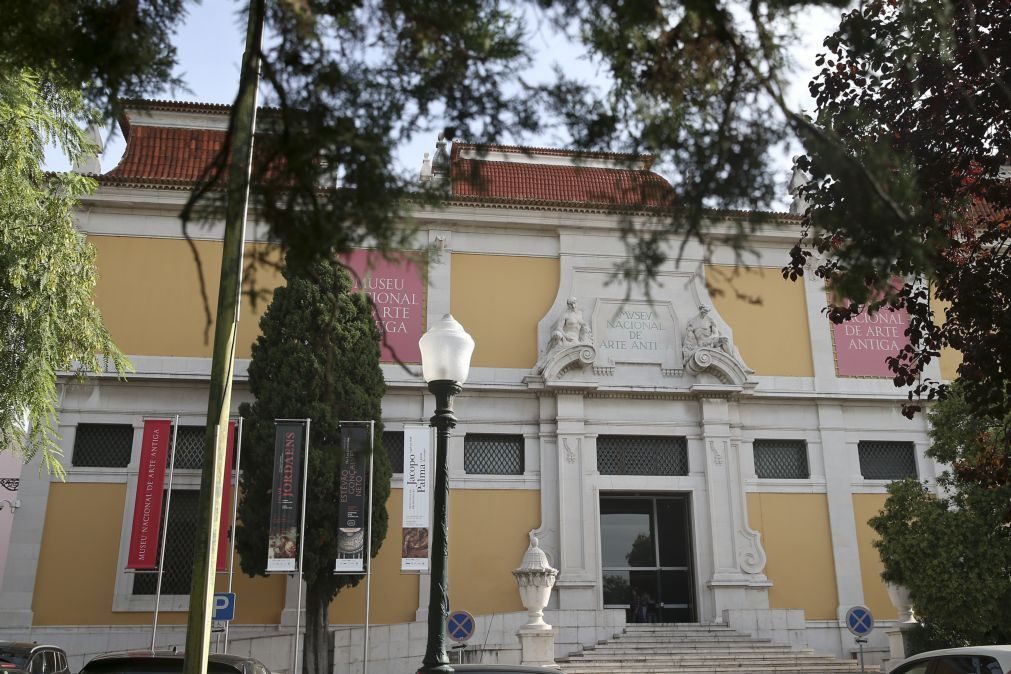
(953, 551)
(48, 319)
(317, 358)
(908, 156)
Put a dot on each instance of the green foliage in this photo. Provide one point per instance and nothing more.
(317, 358)
(106, 49)
(48, 319)
(906, 155)
(953, 551)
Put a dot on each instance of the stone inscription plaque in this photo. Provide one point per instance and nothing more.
(636, 332)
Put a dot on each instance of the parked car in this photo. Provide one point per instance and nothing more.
(19, 657)
(168, 662)
(970, 660)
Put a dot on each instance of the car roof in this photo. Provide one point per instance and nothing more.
(25, 646)
(1001, 653)
(223, 658)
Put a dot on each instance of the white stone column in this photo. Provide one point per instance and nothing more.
(577, 531)
(736, 580)
(840, 470)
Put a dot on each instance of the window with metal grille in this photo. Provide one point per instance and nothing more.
(190, 447)
(393, 443)
(642, 455)
(781, 459)
(488, 454)
(102, 446)
(884, 460)
(182, 530)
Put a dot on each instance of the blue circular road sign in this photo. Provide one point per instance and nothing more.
(859, 621)
(460, 626)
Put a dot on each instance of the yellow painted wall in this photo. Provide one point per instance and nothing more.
(499, 300)
(950, 358)
(487, 538)
(798, 545)
(149, 294)
(394, 595)
(772, 336)
(866, 506)
(76, 577)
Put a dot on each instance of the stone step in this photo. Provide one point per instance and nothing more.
(654, 648)
(688, 657)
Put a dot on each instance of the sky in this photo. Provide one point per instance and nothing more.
(210, 43)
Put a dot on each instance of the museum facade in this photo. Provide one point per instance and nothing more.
(715, 445)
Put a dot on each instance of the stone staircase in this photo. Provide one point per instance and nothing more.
(699, 649)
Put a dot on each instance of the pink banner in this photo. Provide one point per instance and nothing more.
(224, 533)
(863, 343)
(397, 289)
(143, 552)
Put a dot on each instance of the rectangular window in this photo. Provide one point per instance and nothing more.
(190, 447)
(884, 460)
(642, 455)
(393, 443)
(182, 530)
(781, 459)
(489, 454)
(102, 446)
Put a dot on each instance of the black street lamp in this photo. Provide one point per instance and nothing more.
(445, 363)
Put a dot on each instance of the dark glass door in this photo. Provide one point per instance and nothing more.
(646, 554)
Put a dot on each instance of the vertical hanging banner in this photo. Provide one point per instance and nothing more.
(397, 289)
(157, 443)
(224, 532)
(356, 443)
(417, 492)
(286, 497)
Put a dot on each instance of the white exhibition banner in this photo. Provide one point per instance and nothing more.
(418, 465)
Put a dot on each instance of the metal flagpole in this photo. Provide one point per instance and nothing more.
(368, 549)
(164, 533)
(235, 507)
(301, 547)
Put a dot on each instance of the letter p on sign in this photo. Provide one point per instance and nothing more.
(224, 606)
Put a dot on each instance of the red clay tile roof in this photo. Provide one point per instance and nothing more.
(167, 153)
(541, 183)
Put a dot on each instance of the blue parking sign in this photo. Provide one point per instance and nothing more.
(224, 606)
(859, 621)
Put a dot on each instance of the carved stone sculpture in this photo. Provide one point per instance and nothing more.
(703, 333)
(571, 328)
(570, 343)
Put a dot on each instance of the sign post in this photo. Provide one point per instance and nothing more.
(860, 623)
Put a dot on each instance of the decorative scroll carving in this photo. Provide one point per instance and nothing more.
(751, 556)
(714, 450)
(570, 454)
(560, 361)
(10, 483)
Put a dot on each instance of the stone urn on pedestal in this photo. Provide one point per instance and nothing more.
(535, 578)
(899, 594)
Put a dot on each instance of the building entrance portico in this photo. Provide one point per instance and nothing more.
(647, 556)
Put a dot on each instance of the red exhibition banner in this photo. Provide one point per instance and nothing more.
(864, 343)
(397, 289)
(143, 552)
(224, 533)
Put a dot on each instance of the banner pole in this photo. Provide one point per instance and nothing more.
(368, 548)
(235, 508)
(301, 547)
(164, 534)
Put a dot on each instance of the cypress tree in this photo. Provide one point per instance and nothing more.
(317, 357)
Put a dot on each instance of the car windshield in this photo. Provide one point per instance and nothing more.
(16, 658)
